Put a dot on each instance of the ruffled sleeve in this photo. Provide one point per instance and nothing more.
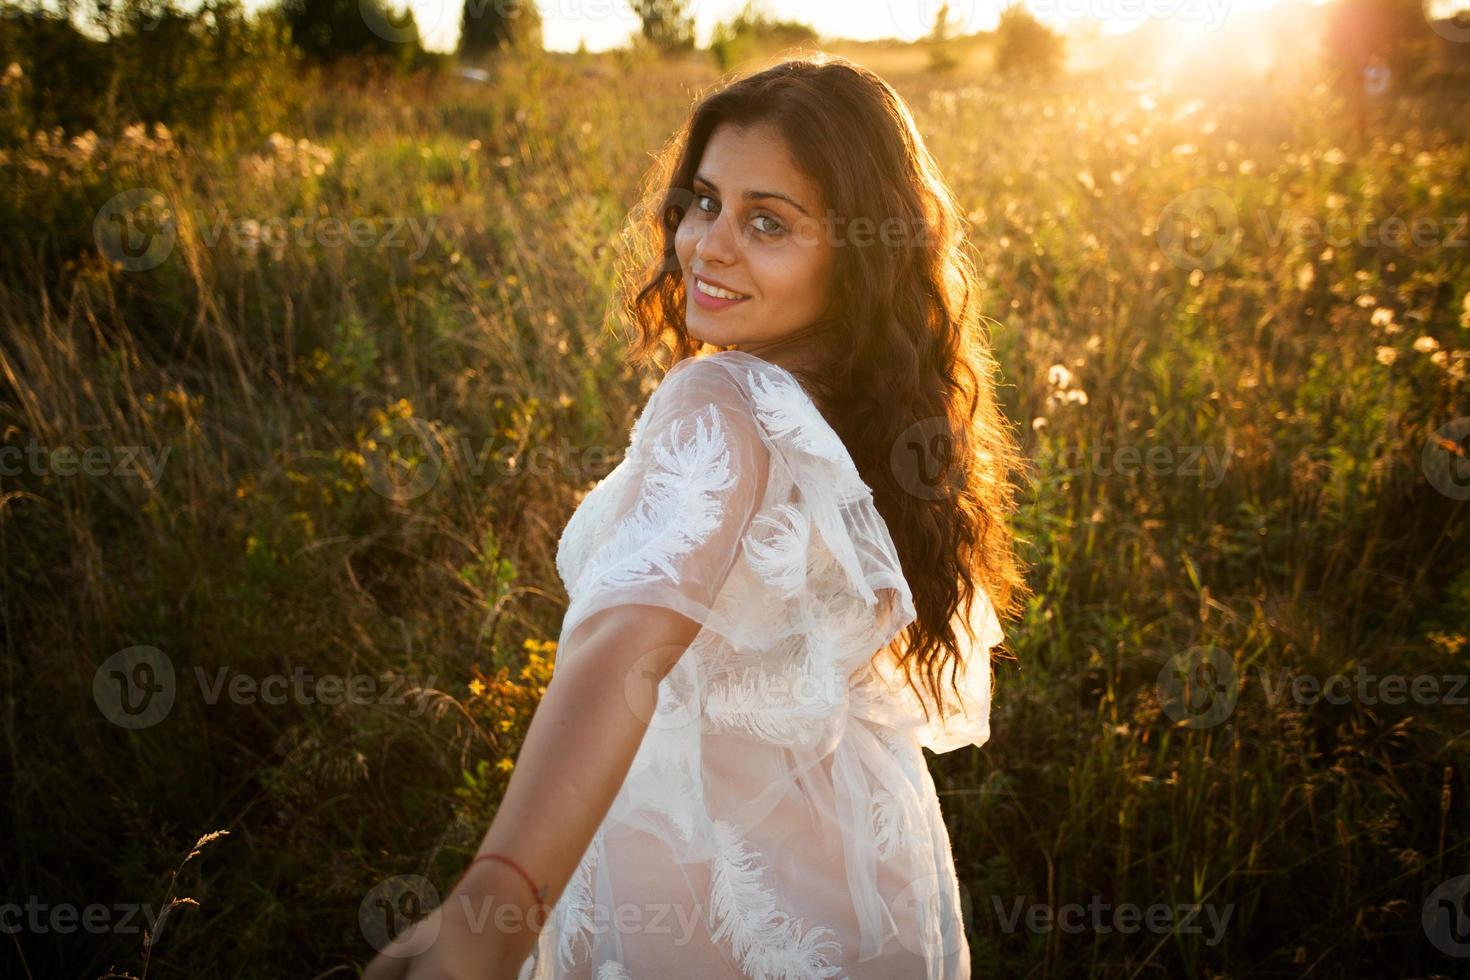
(685, 495)
(972, 726)
(899, 706)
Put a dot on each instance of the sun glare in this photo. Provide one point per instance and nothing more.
(604, 24)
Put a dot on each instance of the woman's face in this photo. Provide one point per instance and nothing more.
(753, 228)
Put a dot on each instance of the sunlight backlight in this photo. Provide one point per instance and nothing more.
(604, 24)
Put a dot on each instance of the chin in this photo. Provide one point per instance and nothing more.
(697, 325)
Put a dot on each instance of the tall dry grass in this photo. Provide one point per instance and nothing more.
(304, 394)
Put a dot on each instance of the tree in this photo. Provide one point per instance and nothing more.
(105, 66)
(943, 28)
(1360, 33)
(1025, 47)
(667, 24)
(329, 30)
(942, 54)
(487, 26)
(752, 31)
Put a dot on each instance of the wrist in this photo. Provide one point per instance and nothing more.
(494, 899)
(535, 891)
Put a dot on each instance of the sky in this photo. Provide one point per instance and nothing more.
(604, 24)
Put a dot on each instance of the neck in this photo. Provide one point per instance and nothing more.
(801, 349)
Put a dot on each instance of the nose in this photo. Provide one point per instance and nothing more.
(718, 245)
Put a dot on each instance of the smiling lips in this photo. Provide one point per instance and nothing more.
(718, 293)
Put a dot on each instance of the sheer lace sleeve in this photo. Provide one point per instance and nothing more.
(692, 481)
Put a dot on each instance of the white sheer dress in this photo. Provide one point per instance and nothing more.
(779, 820)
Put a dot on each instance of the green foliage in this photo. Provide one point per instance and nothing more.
(329, 31)
(753, 32)
(485, 28)
(210, 70)
(667, 25)
(1293, 390)
(501, 703)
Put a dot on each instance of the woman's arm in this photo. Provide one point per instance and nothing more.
(699, 469)
(576, 754)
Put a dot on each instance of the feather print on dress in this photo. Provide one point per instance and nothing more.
(780, 786)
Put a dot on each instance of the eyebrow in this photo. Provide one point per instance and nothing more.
(757, 195)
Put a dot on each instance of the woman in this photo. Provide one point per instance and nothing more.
(803, 549)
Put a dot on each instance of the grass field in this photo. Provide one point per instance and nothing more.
(331, 415)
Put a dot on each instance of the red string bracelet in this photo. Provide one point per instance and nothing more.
(538, 893)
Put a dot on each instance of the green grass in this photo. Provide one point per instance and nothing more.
(281, 382)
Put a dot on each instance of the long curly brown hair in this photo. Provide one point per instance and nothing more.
(907, 379)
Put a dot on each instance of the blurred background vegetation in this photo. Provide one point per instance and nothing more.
(171, 285)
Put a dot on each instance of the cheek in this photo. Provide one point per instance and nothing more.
(685, 238)
(797, 275)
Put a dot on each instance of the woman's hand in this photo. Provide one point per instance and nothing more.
(471, 936)
(575, 757)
